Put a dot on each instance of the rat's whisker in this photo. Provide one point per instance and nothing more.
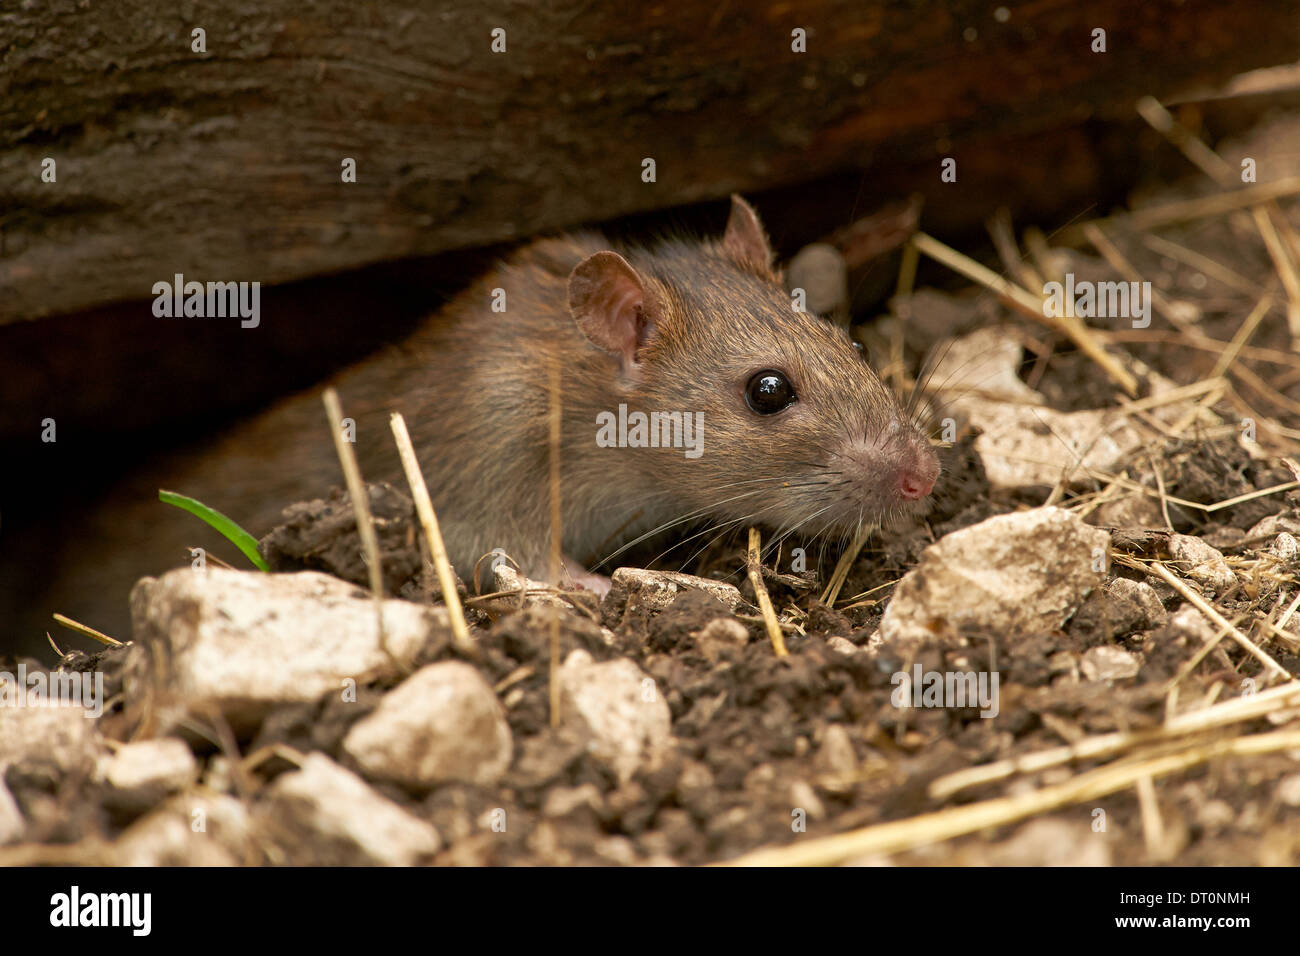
(675, 522)
(697, 513)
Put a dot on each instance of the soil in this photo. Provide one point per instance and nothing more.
(758, 735)
(752, 727)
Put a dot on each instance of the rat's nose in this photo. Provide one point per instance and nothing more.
(914, 484)
(916, 474)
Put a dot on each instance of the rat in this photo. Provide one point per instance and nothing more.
(757, 413)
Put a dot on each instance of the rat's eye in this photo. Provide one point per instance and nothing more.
(768, 392)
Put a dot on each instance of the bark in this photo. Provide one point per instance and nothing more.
(225, 165)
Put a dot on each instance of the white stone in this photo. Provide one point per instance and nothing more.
(244, 641)
(843, 645)
(1014, 574)
(63, 736)
(191, 829)
(147, 770)
(819, 269)
(1200, 562)
(1144, 596)
(536, 593)
(1052, 842)
(655, 590)
(1023, 446)
(442, 723)
(1275, 525)
(985, 363)
(561, 801)
(12, 824)
(1191, 622)
(325, 814)
(1288, 790)
(802, 796)
(1023, 443)
(1108, 662)
(1285, 546)
(836, 754)
(622, 709)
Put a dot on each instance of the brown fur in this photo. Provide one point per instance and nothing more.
(472, 385)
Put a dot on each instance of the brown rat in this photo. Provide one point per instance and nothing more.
(798, 433)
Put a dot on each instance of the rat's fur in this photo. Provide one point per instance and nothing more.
(472, 386)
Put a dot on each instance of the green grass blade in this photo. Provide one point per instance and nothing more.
(237, 536)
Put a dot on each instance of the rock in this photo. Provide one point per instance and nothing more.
(1129, 510)
(1215, 816)
(628, 719)
(1274, 525)
(819, 269)
(759, 779)
(1023, 446)
(536, 593)
(143, 773)
(1288, 790)
(1151, 611)
(804, 798)
(1285, 546)
(1011, 575)
(1203, 564)
(323, 814)
(1066, 664)
(652, 591)
(986, 362)
(618, 850)
(12, 824)
(242, 642)
(725, 630)
(1108, 663)
(442, 723)
(1023, 443)
(843, 645)
(1193, 624)
(1050, 842)
(561, 801)
(719, 636)
(1105, 617)
(696, 778)
(191, 829)
(62, 736)
(837, 755)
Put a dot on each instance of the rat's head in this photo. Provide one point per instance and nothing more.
(798, 431)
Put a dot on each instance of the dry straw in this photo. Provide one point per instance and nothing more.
(432, 534)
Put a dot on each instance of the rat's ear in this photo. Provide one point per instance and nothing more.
(745, 241)
(611, 305)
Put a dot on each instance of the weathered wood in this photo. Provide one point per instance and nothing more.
(225, 165)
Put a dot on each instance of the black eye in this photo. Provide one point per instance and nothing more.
(768, 392)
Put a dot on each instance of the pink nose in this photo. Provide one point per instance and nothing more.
(913, 485)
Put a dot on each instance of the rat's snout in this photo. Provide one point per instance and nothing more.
(916, 475)
(890, 473)
(915, 466)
